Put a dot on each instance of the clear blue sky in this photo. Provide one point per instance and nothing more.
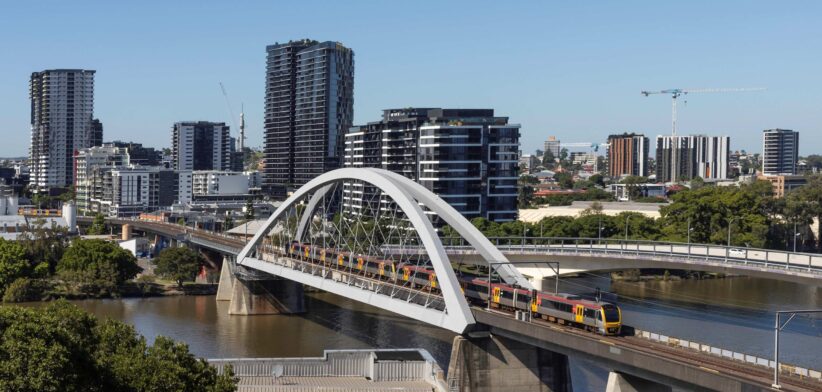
(558, 68)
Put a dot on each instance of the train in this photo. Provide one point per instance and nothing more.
(595, 316)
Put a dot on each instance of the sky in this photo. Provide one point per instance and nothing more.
(569, 69)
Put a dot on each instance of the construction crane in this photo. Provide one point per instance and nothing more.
(241, 141)
(677, 92)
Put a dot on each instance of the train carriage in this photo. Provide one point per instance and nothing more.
(602, 317)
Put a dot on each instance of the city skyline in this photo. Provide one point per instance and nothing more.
(546, 72)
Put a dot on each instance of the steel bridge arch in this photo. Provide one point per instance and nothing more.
(407, 195)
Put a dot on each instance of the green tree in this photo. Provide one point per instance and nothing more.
(61, 348)
(526, 190)
(597, 179)
(248, 210)
(179, 264)
(548, 160)
(98, 225)
(806, 201)
(13, 263)
(97, 267)
(44, 245)
(564, 179)
(749, 211)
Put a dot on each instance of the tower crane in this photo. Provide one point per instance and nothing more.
(241, 141)
(677, 92)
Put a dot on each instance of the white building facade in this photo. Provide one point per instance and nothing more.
(62, 116)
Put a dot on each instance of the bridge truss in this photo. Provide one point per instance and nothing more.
(340, 232)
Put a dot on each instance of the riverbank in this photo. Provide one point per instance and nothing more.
(644, 275)
(38, 290)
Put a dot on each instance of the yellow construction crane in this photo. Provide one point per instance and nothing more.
(677, 92)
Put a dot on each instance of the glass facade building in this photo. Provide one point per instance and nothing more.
(309, 105)
(468, 157)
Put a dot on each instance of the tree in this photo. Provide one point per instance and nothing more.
(97, 267)
(44, 244)
(548, 159)
(564, 179)
(248, 210)
(98, 225)
(179, 264)
(749, 211)
(807, 201)
(597, 179)
(526, 190)
(13, 263)
(61, 348)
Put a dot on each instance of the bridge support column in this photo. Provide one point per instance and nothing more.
(125, 233)
(620, 382)
(495, 363)
(226, 286)
(277, 296)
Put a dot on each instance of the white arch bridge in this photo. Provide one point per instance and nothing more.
(323, 234)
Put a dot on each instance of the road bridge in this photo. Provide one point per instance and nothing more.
(319, 238)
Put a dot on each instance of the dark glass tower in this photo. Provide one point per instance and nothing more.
(468, 157)
(309, 105)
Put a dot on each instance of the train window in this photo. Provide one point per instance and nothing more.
(589, 313)
(611, 313)
(523, 298)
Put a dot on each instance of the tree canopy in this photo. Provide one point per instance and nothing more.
(13, 263)
(61, 348)
(97, 267)
(179, 264)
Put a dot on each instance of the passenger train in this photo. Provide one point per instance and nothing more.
(601, 317)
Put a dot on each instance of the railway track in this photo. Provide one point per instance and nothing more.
(710, 363)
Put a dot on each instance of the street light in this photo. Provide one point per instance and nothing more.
(776, 328)
(795, 235)
(730, 223)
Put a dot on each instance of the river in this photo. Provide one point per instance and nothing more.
(734, 313)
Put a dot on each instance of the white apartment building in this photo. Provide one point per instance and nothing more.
(219, 183)
(62, 122)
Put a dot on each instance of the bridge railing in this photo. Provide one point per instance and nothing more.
(728, 354)
(810, 262)
(423, 296)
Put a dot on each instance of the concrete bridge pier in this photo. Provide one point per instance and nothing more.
(495, 363)
(253, 295)
(621, 382)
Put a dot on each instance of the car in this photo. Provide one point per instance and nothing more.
(737, 252)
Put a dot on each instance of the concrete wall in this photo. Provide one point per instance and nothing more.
(495, 363)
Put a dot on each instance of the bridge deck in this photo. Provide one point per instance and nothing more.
(633, 355)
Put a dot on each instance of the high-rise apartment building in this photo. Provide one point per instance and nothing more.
(96, 139)
(681, 158)
(627, 155)
(309, 105)
(201, 145)
(62, 122)
(139, 155)
(468, 157)
(552, 145)
(780, 152)
(90, 162)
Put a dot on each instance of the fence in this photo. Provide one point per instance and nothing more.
(728, 354)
